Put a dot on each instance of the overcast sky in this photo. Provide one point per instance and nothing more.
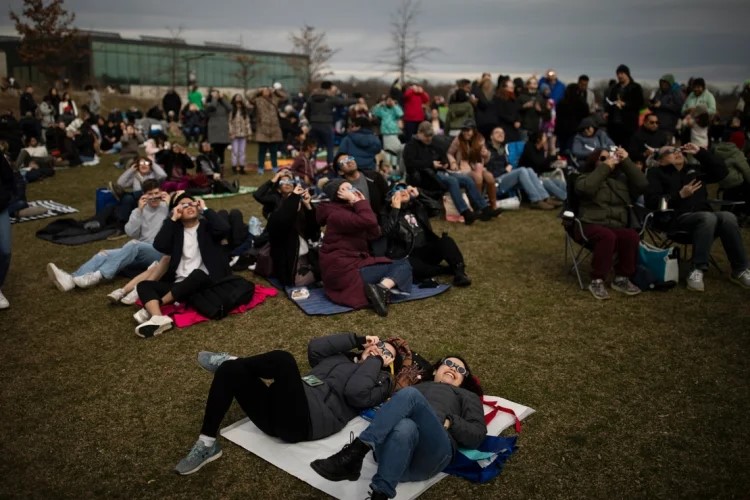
(518, 37)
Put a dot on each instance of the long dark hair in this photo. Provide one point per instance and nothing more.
(238, 105)
(471, 150)
(591, 160)
(471, 382)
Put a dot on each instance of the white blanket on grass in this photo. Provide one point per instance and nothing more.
(295, 458)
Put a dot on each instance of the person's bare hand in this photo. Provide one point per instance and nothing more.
(201, 204)
(358, 196)
(691, 148)
(217, 176)
(438, 165)
(413, 191)
(516, 124)
(621, 153)
(690, 188)
(177, 213)
(142, 202)
(371, 339)
(298, 190)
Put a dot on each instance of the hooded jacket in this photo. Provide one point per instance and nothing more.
(458, 113)
(363, 145)
(286, 226)
(670, 105)
(347, 388)
(389, 118)
(583, 146)
(605, 195)
(349, 229)
(413, 105)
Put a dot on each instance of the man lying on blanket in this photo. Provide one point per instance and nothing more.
(293, 408)
(142, 226)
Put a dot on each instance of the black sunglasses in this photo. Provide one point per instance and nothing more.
(460, 369)
(386, 352)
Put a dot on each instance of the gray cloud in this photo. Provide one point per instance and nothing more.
(684, 37)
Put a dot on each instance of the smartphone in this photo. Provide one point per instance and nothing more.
(312, 380)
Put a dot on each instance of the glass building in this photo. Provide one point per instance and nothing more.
(154, 61)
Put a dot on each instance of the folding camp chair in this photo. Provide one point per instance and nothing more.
(574, 236)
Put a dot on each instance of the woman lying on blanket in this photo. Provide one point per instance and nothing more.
(295, 408)
(416, 433)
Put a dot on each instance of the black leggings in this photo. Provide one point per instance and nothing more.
(280, 409)
(425, 261)
(219, 150)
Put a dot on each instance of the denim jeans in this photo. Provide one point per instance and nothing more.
(528, 180)
(4, 245)
(556, 188)
(705, 227)
(398, 270)
(110, 262)
(454, 182)
(323, 135)
(409, 441)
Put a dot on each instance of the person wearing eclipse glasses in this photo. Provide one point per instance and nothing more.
(192, 237)
(142, 226)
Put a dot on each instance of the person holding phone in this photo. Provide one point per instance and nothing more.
(606, 187)
(191, 236)
(294, 408)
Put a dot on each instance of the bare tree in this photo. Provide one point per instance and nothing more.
(406, 49)
(312, 44)
(175, 35)
(246, 71)
(48, 38)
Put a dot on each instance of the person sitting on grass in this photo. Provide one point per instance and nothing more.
(198, 260)
(362, 144)
(589, 139)
(535, 157)
(606, 187)
(177, 165)
(408, 232)
(416, 433)
(271, 194)
(370, 183)
(351, 276)
(304, 164)
(129, 187)
(292, 408)
(144, 223)
(127, 295)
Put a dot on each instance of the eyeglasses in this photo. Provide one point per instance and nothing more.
(346, 159)
(603, 158)
(386, 352)
(188, 204)
(144, 162)
(460, 369)
(286, 182)
(653, 122)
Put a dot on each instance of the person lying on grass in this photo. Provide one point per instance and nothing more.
(293, 408)
(415, 434)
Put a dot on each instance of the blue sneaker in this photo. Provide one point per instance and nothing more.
(211, 361)
(199, 456)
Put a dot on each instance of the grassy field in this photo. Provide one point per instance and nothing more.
(643, 397)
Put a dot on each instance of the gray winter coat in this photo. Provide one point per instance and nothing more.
(217, 130)
(348, 387)
(461, 406)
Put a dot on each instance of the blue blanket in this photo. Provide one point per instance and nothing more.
(317, 304)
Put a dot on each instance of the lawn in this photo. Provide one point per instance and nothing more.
(635, 397)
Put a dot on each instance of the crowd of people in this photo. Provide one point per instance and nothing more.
(358, 224)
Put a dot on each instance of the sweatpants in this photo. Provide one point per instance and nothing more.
(607, 242)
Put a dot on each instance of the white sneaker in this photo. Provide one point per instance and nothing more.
(695, 281)
(154, 326)
(116, 296)
(4, 304)
(141, 316)
(62, 280)
(87, 280)
(742, 279)
(130, 298)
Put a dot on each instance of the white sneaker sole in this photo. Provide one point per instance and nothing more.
(53, 277)
(625, 291)
(159, 330)
(693, 289)
(200, 466)
(113, 298)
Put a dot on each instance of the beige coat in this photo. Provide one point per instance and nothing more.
(239, 126)
(267, 124)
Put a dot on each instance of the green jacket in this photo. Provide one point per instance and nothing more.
(606, 195)
(458, 113)
(739, 169)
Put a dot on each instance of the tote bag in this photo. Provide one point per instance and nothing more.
(663, 263)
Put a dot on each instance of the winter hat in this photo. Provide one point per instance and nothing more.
(331, 189)
(177, 197)
(623, 69)
(699, 109)
(586, 123)
(469, 123)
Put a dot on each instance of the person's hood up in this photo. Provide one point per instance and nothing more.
(669, 78)
(586, 123)
(362, 137)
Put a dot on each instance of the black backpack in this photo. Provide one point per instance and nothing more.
(219, 299)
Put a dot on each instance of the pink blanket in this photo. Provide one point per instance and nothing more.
(184, 316)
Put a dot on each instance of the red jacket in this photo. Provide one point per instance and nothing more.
(413, 102)
(345, 250)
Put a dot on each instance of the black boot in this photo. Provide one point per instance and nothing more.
(488, 213)
(459, 276)
(469, 217)
(345, 464)
(376, 495)
(378, 298)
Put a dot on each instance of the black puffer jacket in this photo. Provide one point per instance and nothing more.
(319, 107)
(7, 183)
(397, 231)
(347, 388)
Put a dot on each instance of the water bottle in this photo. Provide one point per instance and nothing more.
(254, 227)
